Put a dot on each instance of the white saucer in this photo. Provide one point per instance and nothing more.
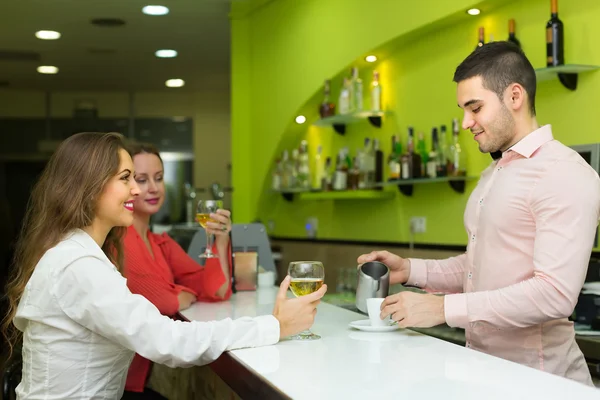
(365, 325)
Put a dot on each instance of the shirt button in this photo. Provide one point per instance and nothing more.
(470, 275)
(480, 202)
(473, 238)
(469, 344)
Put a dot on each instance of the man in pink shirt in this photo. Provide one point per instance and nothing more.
(530, 221)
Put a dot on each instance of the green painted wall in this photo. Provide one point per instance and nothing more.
(282, 52)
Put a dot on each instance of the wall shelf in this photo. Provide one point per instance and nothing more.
(406, 186)
(567, 74)
(339, 122)
(363, 194)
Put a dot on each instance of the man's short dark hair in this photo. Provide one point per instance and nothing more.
(499, 64)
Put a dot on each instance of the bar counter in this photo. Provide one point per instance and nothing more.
(350, 364)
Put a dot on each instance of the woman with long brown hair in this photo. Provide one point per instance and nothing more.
(79, 322)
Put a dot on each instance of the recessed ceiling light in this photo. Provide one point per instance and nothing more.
(175, 83)
(166, 53)
(47, 69)
(155, 10)
(47, 35)
(300, 119)
(371, 58)
(474, 11)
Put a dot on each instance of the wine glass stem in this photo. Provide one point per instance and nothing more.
(209, 243)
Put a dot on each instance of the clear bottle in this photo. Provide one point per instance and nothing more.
(394, 161)
(294, 168)
(375, 93)
(344, 100)
(340, 178)
(303, 175)
(363, 162)
(277, 176)
(457, 163)
(317, 170)
(356, 92)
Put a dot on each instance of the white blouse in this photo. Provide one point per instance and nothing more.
(81, 327)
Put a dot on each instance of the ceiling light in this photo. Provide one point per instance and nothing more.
(155, 10)
(166, 53)
(371, 58)
(47, 69)
(47, 35)
(300, 119)
(474, 11)
(175, 83)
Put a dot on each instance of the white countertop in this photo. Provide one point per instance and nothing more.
(350, 364)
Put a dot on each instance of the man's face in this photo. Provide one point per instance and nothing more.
(485, 115)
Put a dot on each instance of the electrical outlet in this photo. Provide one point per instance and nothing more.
(418, 224)
(312, 226)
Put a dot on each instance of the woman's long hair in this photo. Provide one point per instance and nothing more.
(63, 199)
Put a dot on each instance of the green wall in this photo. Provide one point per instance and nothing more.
(283, 50)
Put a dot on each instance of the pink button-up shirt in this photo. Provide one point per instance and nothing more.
(531, 223)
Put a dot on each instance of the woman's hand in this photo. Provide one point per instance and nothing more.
(220, 227)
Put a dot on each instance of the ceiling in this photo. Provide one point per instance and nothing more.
(94, 58)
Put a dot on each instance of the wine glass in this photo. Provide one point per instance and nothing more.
(307, 277)
(203, 211)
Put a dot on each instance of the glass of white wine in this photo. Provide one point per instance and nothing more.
(203, 211)
(307, 277)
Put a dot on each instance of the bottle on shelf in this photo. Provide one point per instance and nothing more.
(411, 161)
(554, 38)
(340, 178)
(432, 157)
(421, 150)
(356, 92)
(303, 176)
(327, 108)
(375, 93)
(277, 175)
(317, 170)
(363, 163)
(481, 40)
(378, 159)
(394, 160)
(442, 150)
(344, 100)
(354, 175)
(511, 33)
(289, 175)
(457, 165)
(326, 183)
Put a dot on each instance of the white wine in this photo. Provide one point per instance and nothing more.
(202, 219)
(304, 286)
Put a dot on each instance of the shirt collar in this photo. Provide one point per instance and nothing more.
(530, 143)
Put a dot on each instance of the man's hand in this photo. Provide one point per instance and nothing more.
(416, 310)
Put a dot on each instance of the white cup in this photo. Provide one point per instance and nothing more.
(374, 309)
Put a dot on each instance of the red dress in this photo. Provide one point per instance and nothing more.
(161, 279)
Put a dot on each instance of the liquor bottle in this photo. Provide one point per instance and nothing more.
(375, 93)
(277, 176)
(317, 170)
(511, 33)
(303, 177)
(326, 183)
(340, 178)
(394, 160)
(433, 155)
(327, 108)
(354, 175)
(356, 92)
(411, 161)
(421, 150)
(457, 165)
(554, 38)
(344, 100)
(441, 167)
(362, 157)
(378, 163)
(481, 40)
(288, 179)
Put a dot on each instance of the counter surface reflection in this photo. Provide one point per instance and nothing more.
(351, 364)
